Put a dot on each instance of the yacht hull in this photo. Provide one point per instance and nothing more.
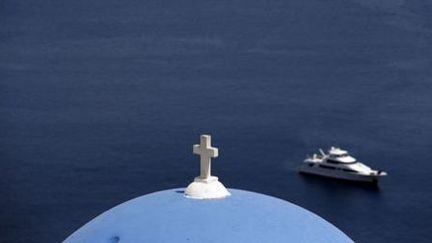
(337, 174)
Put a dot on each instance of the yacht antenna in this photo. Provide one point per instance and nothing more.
(322, 152)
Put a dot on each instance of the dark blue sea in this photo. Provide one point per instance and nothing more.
(101, 101)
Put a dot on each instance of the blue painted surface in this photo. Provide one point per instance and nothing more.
(168, 216)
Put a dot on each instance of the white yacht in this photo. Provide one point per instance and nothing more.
(339, 164)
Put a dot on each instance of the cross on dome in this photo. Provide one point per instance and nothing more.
(206, 186)
(206, 152)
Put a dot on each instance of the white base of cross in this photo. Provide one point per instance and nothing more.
(209, 188)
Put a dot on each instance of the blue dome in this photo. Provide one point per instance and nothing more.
(169, 216)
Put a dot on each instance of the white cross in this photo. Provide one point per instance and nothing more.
(206, 151)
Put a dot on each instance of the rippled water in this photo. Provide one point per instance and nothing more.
(100, 102)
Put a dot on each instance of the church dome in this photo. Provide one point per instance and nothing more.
(206, 211)
(169, 216)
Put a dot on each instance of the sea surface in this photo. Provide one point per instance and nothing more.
(101, 101)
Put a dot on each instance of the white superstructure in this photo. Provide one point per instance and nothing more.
(339, 164)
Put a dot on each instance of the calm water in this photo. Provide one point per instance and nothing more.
(100, 102)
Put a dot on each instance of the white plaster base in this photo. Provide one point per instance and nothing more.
(209, 188)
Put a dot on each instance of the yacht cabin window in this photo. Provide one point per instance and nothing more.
(339, 155)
